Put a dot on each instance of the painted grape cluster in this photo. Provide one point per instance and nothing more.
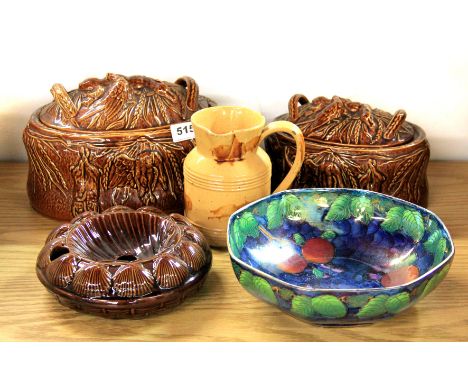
(337, 241)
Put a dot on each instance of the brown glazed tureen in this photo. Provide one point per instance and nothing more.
(109, 143)
(351, 145)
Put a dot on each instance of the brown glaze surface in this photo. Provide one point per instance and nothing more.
(109, 143)
(350, 145)
(124, 262)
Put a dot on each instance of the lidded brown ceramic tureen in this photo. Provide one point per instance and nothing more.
(109, 143)
(351, 145)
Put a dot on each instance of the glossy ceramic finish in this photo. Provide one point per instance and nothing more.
(124, 262)
(351, 145)
(227, 169)
(338, 256)
(109, 143)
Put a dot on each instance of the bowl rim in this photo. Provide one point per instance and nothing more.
(81, 220)
(427, 274)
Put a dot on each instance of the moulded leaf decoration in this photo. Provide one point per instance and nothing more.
(274, 214)
(374, 308)
(329, 306)
(340, 209)
(397, 303)
(413, 224)
(302, 306)
(299, 240)
(393, 220)
(248, 225)
(362, 208)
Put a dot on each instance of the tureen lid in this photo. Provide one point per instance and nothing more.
(117, 102)
(340, 120)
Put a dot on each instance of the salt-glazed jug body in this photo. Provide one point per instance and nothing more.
(227, 169)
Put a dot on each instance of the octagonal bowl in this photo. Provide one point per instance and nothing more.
(124, 262)
(338, 256)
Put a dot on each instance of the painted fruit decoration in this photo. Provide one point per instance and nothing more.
(400, 276)
(318, 250)
(294, 264)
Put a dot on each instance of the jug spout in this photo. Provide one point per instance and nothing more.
(227, 133)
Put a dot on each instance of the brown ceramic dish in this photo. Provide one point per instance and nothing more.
(351, 145)
(124, 262)
(109, 143)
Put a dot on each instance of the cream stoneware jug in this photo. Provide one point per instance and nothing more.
(227, 169)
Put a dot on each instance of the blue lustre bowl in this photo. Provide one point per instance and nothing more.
(338, 256)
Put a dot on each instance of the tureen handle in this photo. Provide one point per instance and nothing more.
(395, 124)
(192, 92)
(64, 101)
(293, 106)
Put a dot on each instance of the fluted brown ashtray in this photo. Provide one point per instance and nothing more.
(109, 143)
(352, 145)
(123, 262)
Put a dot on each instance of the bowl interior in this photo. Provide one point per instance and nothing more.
(122, 236)
(338, 239)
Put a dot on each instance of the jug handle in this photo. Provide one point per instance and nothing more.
(291, 129)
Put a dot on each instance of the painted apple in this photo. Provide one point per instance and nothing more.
(294, 264)
(400, 276)
(318, 250)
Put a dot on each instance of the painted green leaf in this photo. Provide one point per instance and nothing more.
(246, 279)
(301, 305)
(383, 205)
(262, 289)
(413, 224)
(430, 245)
(298, 239)
(237, 269)
(328, 234)
(261, 209)
(249, 225)
(258, 286)
(340, 209)
(233, 245)
(286, 294)
(374, 308)
(393, 220)
(329, 306)
(238, 236)
(436, 280)
(291, 207)
(432, 226)
(317, 273)
(362, 208)
(397, 303)
(274, 214)
(440, 251)
(409, 260)
(357, 301)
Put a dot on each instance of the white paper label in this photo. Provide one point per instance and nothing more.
(182, 131)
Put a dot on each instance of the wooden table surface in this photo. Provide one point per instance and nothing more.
(222, 310)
